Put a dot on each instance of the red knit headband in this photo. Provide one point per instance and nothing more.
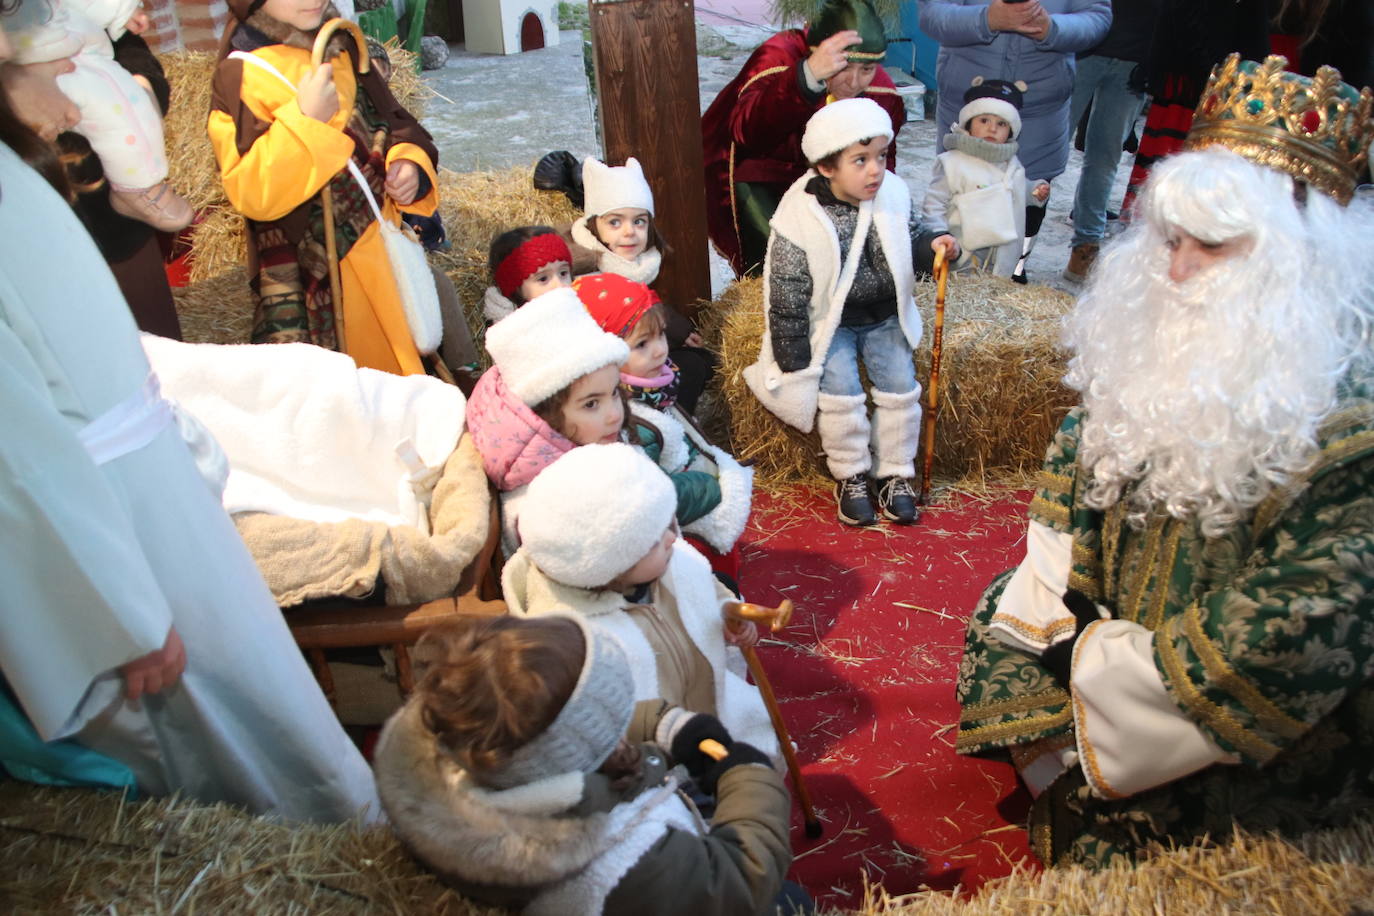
(534, 254)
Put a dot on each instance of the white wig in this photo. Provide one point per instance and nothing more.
(1207, 394)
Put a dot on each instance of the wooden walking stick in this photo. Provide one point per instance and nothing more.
(776, 618)
(331, 245)
(941, 272)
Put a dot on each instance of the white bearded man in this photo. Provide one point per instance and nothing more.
(1188, 645)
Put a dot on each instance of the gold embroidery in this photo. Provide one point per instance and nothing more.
(1132, 600)
(972, 737)
(1217, 718)
(760, 75)
(1111, 545)
(1051, 697)
(1053, 513)
(1164, 577)
(1044, 634)
(1085, 584)
(1089, 755)
(1338, 451)
(1061, 484)
(1226, 677)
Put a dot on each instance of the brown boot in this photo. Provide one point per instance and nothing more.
(158, 206)
(1081, 261)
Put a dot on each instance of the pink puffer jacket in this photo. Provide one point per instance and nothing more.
(515, 444)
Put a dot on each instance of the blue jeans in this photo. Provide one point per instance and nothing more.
(886, 355)
(1105, 82)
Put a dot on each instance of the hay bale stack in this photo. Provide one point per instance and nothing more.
(82, 851)
(218, 310)
(218, 239)
(476, 207)
(1001, 395)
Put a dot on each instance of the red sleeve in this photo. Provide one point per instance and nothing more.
(884, 92)
(770, 108)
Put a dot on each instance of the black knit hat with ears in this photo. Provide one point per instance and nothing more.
(1011, 93)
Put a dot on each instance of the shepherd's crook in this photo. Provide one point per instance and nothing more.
(776, 618)
(941, 272)
(331, 245)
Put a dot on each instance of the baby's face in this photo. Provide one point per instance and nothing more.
(648, 351)
(594, 411)
(549, 277)
(990, 128)
(625, 232)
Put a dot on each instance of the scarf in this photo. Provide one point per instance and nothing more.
(643, 269)
(659, 393)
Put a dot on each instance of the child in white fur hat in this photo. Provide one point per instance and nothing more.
(978, 188)
(511, 773)
(599, 539)
(828, 305)
(554, 385)
(618, 236)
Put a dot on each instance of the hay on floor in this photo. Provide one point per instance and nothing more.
(1000, 392)
(82, 851)
(218, 239)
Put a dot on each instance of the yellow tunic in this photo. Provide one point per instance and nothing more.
(290, 163)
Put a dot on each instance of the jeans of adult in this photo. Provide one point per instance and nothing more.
(886, 354)
(1105, 81)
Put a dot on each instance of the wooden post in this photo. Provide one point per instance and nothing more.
(649, 104)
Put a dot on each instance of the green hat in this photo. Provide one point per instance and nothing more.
(836, 16)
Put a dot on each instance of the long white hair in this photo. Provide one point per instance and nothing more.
(1208, 394)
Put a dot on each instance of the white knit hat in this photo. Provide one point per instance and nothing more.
(549, 343)
(594, 513)
(590, 724)
(608, 188)
(842, 123)
(995, 97)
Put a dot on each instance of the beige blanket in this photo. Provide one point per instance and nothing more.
(302, 560)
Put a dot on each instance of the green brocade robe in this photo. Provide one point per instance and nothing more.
(1263, 637)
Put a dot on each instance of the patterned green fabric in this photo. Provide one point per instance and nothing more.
(1264, 637)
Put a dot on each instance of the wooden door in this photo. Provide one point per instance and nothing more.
(645, 54)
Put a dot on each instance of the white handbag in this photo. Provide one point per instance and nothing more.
(414, 280)
(987, 217)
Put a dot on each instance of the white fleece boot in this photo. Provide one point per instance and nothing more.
(896, 435)
(842, 422)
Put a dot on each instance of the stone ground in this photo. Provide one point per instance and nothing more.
(493, 111)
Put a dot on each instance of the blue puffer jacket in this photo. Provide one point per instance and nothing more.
(968, 48)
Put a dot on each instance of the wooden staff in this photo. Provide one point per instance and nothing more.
(941, 272)
(776, 618)
(331, 245)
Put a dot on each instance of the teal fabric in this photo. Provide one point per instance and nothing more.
(697, 491)
(27, 757)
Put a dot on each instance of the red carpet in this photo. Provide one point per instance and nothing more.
(865, 675)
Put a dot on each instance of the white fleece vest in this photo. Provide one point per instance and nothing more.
(800, 218)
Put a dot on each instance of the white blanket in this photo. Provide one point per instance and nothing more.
(310, 435)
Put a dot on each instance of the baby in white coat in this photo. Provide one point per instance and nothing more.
(119, 116)
(978, 188)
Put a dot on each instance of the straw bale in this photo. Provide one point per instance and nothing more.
(218, 310)
(83, 851)
(476, 207)
(218, 239)
(1000, 392)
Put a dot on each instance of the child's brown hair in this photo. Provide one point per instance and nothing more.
(832, 161)
(499, 682)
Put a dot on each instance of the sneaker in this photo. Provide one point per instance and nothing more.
(158, 206)
(1081, 261)
(897, 501)
(853, 505)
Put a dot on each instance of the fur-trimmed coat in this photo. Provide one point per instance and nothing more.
(687, 592)
(570, 845)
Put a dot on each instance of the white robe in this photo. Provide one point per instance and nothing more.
(100, 560)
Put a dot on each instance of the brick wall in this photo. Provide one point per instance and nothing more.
(193, 24)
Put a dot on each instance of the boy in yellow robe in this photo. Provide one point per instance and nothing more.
(282, 131)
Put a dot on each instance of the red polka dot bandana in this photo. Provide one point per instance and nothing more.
(617, 303)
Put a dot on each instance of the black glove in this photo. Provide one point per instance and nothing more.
(740, 753)
(560, 171)
(1058, 658)
(686, 749)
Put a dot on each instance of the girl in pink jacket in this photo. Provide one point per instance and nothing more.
(554, 386)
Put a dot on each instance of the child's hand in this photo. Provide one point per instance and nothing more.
(316, 94)
(1041, 191)
(694, 340)
(742, 634)
(403, 181)
(139, 22)
(949, 243)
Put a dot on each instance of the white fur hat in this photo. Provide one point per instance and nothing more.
(842, 123)
(608, 188)
(594, 513)
(549, 343)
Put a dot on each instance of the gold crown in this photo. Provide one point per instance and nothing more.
(1317, 130)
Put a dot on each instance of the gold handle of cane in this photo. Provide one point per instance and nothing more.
(713, 749)
(327, 32)
(775, 617)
